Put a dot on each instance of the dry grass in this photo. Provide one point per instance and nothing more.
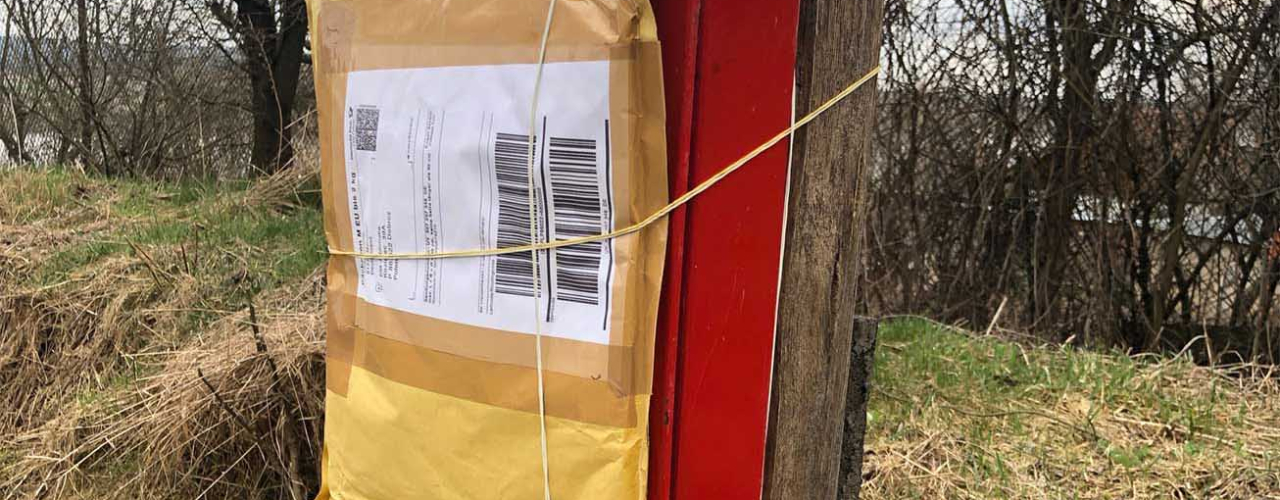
(129, 367)
(297, 184)
(955, 415)
(231, 413)
(55, 336)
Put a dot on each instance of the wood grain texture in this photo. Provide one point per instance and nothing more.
(839, 41)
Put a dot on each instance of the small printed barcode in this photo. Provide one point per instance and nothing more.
(578, 212)
(366, 130)
(513, 274)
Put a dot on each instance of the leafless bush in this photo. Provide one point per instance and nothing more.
(1110, 166)
(137, 87)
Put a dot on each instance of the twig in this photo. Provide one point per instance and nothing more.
(996, 317)
(235, 416)
(186, 264)
(225, 472)
(260, 341)
(289, 448)
(151, 266)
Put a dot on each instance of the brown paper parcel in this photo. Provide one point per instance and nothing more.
(424, 116)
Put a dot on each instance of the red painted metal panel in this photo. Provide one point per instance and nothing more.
(729, 67)
(678, 30)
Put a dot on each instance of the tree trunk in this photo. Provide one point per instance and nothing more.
(1078, 54)
(271, 149)
(84, 82)
(1261, 349)
(8, 111)
(1059, 185)
(839, 42)
(9, 117)
(275, 63)
(287, 70)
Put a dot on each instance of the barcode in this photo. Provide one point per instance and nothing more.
(366, 133)
(575, 196)
(513, 274)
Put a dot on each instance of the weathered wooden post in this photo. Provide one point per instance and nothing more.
(815, 376)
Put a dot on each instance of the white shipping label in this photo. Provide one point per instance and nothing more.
(438, 160)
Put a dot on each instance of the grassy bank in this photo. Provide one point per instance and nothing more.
(959, 416)
(103, 218)
(130, 367)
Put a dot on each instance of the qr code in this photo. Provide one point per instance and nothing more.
(366, 133)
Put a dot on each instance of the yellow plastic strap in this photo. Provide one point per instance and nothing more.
(665, 211)
(533, 236)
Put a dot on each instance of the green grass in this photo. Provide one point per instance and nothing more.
(936, 364)
(271, 247)
(189, 234)
(955, 415)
